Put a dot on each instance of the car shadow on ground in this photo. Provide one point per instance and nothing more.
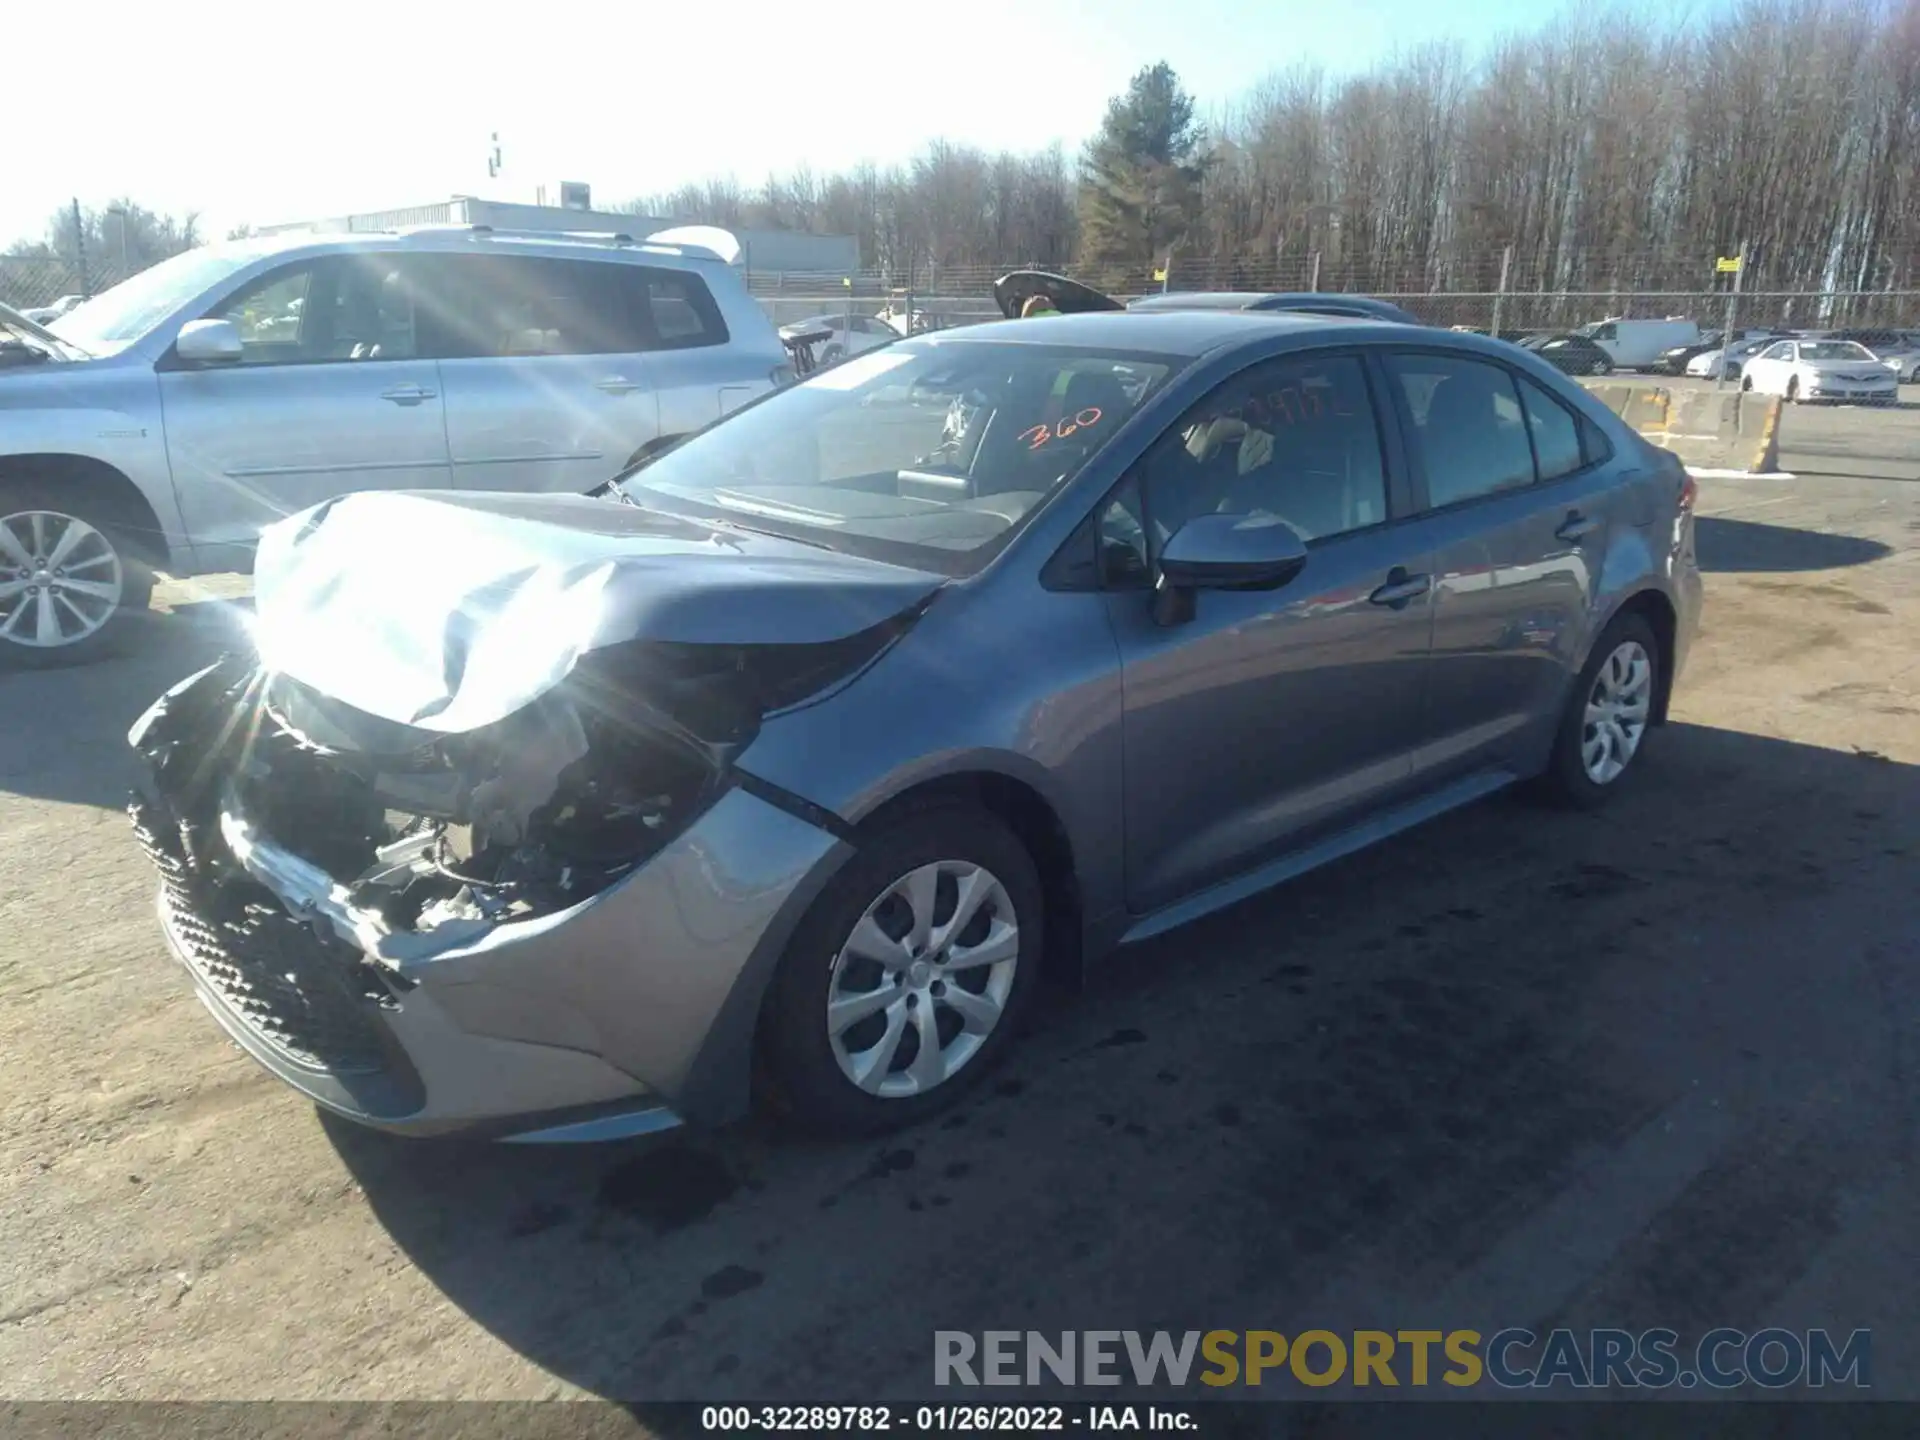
(1726, 546)
(1398, 1077)
(66, 731)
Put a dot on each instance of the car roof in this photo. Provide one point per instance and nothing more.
(470, 239)
(1268, 300)
(1190, 333)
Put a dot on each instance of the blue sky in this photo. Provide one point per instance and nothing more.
(250, 112)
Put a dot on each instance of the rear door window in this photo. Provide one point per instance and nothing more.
(520, 306)
(1468, 427)
(1555, 431)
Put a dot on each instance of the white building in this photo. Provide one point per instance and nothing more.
(762, 252)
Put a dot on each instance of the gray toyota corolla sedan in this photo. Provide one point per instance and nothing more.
(784, 767)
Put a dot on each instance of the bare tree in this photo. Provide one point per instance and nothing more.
(1607, 151)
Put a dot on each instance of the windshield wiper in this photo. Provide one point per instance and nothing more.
(731, 524)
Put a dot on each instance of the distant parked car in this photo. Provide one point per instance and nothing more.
(1898, 349)
(184, 409)
(1639, 344)
(1705, 364)
(41, 314)
(1674, 359)
(1570, 354)
(1804, 370)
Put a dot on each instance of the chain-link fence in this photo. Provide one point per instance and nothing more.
(965, 298)
(29, 281)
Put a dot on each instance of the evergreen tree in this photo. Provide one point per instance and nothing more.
(1140, 177)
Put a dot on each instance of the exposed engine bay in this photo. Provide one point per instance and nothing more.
(420, 831)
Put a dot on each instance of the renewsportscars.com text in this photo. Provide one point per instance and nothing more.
(1721, 1359)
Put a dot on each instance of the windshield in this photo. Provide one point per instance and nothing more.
(923, 453)
(1833, 350)
(115, 318)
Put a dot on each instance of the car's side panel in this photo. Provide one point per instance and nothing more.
(1270, 715)
(101, 410)
(999, 677)
(1513, 606)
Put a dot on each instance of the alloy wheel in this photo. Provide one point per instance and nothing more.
(923, 979)
(61, 580)
(1618, 707)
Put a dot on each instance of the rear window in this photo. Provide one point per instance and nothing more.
(679, 307)
(473, 306)
(517, 306)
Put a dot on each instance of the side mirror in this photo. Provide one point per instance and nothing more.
(1224, 552)
(208, 342)
(1233, 552)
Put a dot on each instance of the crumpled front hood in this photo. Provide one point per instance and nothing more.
(451, 611)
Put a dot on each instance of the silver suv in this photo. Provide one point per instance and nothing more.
(160, 425)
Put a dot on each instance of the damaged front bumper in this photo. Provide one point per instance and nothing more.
(623, 1012)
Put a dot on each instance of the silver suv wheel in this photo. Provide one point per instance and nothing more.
(923, 979)
(61, 579)
(1618, 707)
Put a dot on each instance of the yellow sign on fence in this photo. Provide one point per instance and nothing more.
(1728, 264)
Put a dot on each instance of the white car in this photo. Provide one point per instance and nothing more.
(45, 314)
(1899, 350)
(1707, 362)
(848, 336)
(1821, 370)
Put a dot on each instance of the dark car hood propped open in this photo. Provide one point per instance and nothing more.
(450, 611)
(1012, 291)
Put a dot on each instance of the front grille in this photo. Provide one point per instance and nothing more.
(281, 980)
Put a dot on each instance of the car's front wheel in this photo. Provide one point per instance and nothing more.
(908, 978)
(1604, 727)
(69, 576)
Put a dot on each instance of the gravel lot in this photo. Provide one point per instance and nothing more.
(1655, 1067)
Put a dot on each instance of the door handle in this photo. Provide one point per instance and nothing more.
(1401, 588)
(616, 384)
(407, 394)
(1576, 527)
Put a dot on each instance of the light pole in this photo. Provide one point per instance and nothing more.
(121, 212)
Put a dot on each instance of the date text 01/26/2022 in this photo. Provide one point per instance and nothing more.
(885, 1419)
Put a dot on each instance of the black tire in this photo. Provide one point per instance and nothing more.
(1746, 383)
(1566, 780)
(1793, 390)
(21, 498)
(1600, 367)
(800, 1077)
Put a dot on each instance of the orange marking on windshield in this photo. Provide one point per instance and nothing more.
(1038, 435)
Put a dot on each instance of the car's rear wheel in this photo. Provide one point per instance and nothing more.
(1604, 729)
(1600, 367)
(908, 978)
(1793, 391)
(69, 576)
